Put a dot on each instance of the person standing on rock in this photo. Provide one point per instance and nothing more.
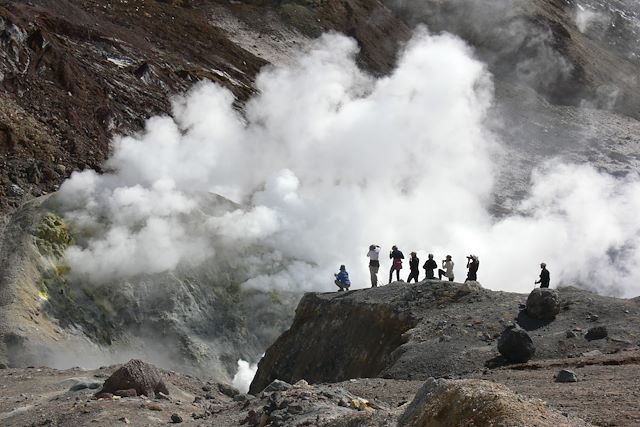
(545, 277)
(396, 263)
(374, 264)
(414, 267)
(429, 267)
(447, 268)
(472, 265)
(342, 279)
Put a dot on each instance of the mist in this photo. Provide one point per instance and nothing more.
(326, 160)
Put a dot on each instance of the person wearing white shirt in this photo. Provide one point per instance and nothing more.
(374, 264)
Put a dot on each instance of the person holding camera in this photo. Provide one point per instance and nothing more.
(447, 268)
(472, 265)
(396, 265)
(374, 264)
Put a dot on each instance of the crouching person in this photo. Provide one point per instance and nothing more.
(342, 279)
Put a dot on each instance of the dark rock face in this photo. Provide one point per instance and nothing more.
(596, 333)
(359, 349)
(142, 377)
(566, 376)
(543, 304)
(516, 345)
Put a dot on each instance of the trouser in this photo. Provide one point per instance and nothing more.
(341, 285)
(429, 273)
(413, 274)
(373, 270)
(441, 273)
(544, 285)
(397, 270)
(472, 276)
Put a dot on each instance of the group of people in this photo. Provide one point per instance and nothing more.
(396, 256)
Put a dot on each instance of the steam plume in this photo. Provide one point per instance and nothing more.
(327, 160)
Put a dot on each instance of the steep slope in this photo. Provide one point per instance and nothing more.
(195, 319)
(75, 73)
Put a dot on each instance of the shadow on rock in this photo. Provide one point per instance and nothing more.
(529, 323)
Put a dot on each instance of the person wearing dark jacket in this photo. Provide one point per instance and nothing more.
(429, 267)
(472, 264)
(414, 267)
(396, 263)
(545, 277)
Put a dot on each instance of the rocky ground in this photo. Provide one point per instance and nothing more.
(605, 394)
(434, 328)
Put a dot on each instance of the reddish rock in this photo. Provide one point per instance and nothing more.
(142, 377)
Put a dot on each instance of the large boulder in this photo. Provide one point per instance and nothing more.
(543, 304)
(142, 377)
(515, 344)
(441, 403)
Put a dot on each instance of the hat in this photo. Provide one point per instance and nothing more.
(342, 267)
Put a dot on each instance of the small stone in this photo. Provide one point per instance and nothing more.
(3, 366)
(206, 388)
(15, 191)
(566, 376)
(130, 392)
(79, 386)
(104, 396)
(593, 317)
(124, 420)
(277, 385)
(154, 407)
(160, 395)
(176, 419)
(592, 353)
(444, 338)
(240, 398)
(596, 333)
(301, 384)
(198, 399)
(571, 334)
(228, 390)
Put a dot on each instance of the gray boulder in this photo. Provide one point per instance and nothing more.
(515, 344)
(566, 376)
(596, 333)
(543, 304)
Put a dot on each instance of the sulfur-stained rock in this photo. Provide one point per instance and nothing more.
(441, 403)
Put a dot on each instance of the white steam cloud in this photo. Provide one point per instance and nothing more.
(327, 160)
(586, 18)
(243, 377)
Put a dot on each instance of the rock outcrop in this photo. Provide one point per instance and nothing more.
(428, 329)
(136, 375)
